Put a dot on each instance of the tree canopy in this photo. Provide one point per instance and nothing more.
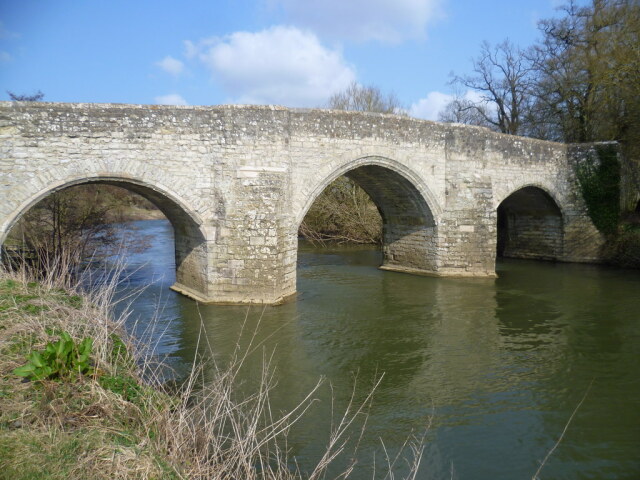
(580, 82)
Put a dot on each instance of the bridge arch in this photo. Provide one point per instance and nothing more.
(530, 224)
(347, 165)
(189, 234)
(405, 204)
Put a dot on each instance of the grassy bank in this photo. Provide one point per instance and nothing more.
(84, 411)
(102, 423)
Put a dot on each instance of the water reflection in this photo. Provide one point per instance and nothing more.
(496, 366)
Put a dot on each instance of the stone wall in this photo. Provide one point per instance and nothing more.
(532, 236)
(236, 181)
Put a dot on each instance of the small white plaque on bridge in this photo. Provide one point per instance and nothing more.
(467, 228)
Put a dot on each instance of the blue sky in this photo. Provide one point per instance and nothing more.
(286, 52)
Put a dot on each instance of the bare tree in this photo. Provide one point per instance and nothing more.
(464, 110)
(365, 99)
(502, 77)
(34, 97)
(588, 66)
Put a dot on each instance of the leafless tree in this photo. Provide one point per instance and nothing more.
(464, 110)
(34, 97)
(502, 77)
(588, 66)
(362, 98)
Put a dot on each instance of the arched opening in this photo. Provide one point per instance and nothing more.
(343, 213)
(408, 226)
(529, 226)
(77, 213)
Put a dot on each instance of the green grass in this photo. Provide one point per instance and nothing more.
(56, 454)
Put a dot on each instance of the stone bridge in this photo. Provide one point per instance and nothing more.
(236, 181)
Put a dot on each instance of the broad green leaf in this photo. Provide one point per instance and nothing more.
(36, 359)
(25, 370)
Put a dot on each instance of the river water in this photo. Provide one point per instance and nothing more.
(490, 370)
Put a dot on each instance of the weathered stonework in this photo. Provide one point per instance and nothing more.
(236, 181)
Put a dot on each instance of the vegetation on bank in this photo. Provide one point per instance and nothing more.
(599, 181)
(80, 223)
(80, 399)
(623, 247)
(343, 213)
(62, 416)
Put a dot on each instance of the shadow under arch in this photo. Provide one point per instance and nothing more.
(530, 224)
(409, 229)
(189, 237)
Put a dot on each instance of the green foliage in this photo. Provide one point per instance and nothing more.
(59, 359)
(600, 186)
(34, 309)
(119, 348)
(123, 385)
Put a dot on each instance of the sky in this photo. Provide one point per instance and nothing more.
(294, 53)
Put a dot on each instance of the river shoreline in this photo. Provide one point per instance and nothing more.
(115, 418)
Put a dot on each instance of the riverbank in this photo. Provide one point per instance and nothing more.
(96, 409)
(103, 422)
(132, 213)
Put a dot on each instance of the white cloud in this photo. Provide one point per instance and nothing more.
(430, 106)
(280, 65)
(171, 99)
(389, 21)
(190, 49)
(171, 65)
(5, 57)
(435, 102)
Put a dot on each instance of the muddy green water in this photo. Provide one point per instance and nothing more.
(492, 369)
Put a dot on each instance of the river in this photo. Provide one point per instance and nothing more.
(491, 369)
